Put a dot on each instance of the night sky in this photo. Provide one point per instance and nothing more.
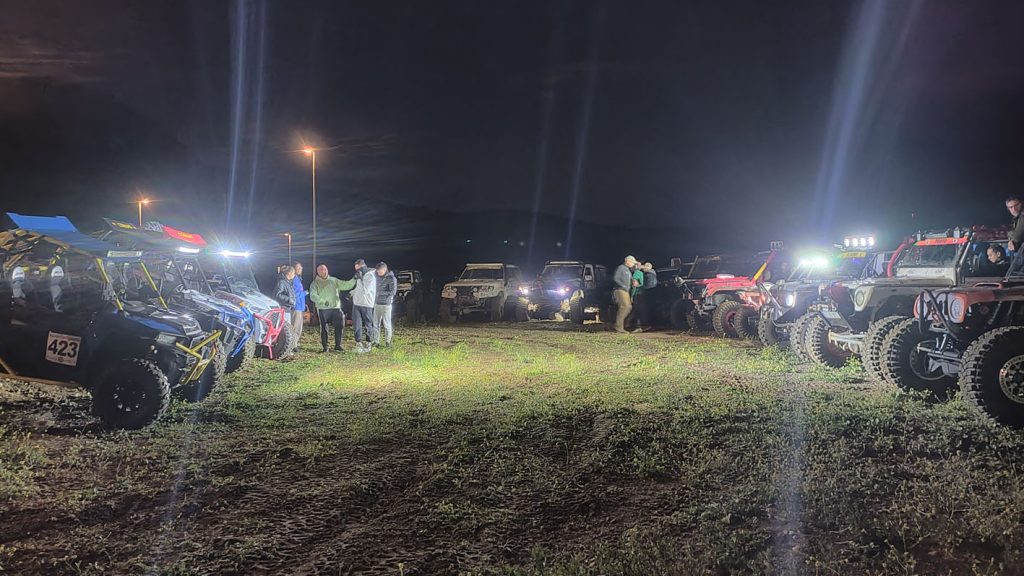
(717, 120)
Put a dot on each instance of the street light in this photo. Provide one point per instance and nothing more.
(140, 202)
(311, 152)
(289, 237)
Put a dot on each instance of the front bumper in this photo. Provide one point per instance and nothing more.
(841, 334)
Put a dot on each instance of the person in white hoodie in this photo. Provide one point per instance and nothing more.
(364, 296)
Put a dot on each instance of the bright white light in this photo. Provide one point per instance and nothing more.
(871, 240)
(563, 290)
(524, 290)
(186, 250)
(819, 262)
(846, 242)
(234, 254)
(805, 263)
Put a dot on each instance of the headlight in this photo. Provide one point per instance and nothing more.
(958, 308)
(166, 339)
(563, 290)
(790, 300)
(860, 297)
(448, 292)
(524, 290)
(486, 289)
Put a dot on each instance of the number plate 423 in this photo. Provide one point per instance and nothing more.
(63, 348)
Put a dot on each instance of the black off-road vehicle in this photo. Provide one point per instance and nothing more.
(411, 297)
(566, 290)
(787, 301)
(70, 319)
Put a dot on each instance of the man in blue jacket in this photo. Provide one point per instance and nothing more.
(300, 304)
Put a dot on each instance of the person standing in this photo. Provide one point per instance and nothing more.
(1016, 235)
(622, 284)
(364, 297)
(284, 293)
(648, 293)
(636, 296)
(300, 304)
(387, 286)
(324, 291)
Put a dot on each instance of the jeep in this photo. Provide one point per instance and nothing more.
(860, 314)
(570, 290)
(411, 295)
(971, 336)
(487, 289)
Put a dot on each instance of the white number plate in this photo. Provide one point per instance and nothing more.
(63, 348)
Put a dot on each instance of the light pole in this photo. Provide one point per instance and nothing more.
(140, 202)
(311, 152)
(289, 237)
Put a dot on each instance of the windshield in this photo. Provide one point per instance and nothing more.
(404, 278)
(562, 271)
(930, 256)
(481, 274)
(230, 274)
(851, 266)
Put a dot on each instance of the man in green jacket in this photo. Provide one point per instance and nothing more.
(325, 291)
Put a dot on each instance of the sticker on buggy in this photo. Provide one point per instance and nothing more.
(63, 349)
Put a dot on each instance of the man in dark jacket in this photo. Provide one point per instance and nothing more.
(622, 286)
(387, 287)
(1016, 235)
(284, 292)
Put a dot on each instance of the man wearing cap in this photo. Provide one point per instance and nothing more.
(387, 286)
(364, 297)
(623, 285)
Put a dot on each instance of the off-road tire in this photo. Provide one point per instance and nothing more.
(679, 313)
(984, 364)
(902, 363)
(798, 336)
(745, 323)
(576, 312)
(213, 374)
(722, 319)
(284, 343)
(698, 324)
(768, 333)
(130, 393)
(817, 345)
(522, 314)
(445, 312)
(871, 359)
(497, 313)
(244, 356)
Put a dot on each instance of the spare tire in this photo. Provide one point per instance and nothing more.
(722, 319)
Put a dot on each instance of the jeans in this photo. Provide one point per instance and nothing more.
(331, 317)
(624, 306)
(382, 317)
(296, 322)
(362, 319)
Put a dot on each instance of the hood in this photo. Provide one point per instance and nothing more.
(212, 303)
(475, 283)
(162, 320)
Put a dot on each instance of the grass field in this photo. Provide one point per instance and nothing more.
(516, 449)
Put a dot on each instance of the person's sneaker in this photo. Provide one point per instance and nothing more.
(323, 351)
(621, 331)
(337, 349)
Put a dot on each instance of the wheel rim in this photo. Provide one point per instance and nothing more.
(127, 397)
(1011, 379)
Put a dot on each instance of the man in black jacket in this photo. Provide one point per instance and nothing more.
(622, 282)
(387, 287)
